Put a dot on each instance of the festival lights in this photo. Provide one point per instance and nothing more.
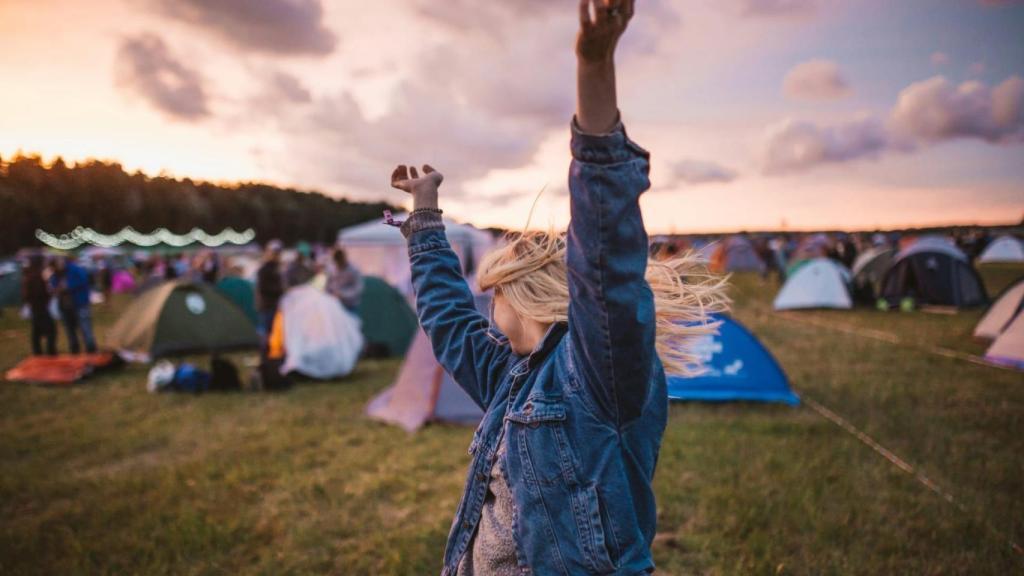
(82, 235)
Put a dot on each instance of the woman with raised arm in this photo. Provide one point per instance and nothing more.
(570, 368)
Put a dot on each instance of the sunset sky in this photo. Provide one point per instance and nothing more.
(758, 113)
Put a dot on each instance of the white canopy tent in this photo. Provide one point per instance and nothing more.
(378, 249)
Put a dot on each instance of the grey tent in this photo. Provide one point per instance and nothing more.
(868, 272)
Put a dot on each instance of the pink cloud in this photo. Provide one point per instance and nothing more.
(925, 113)
(145, 66)
(816, 80)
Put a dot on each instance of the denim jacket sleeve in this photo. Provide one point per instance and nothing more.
(458, 333)
(611, 307)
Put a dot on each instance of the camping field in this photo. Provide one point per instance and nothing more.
(104, 478)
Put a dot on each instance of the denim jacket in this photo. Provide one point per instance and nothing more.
(583, 415)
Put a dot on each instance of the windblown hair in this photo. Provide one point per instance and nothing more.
(530, 271)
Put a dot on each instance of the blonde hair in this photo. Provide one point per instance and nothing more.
(530, 271)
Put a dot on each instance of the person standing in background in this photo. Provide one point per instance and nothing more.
(72, 286)
(35, 293)
(269, 286)
(345, 282)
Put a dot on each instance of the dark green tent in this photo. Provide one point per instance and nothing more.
(181, 317)
(10, 285)
(240, 291)
(389, 324)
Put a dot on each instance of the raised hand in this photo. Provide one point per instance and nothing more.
(422, 188)
(602, 23)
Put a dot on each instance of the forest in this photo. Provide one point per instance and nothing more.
(57, 197)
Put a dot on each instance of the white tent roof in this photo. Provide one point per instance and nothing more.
(376, 233)
(1001, 313)
(820, 283)
(1008, 349)
(1003, 249)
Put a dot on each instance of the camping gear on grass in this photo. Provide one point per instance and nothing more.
(424, 391)
(933, 272)
(181, 317)
(389, 323)
(321, 339)
(817, 283)
(1008, 348)
(61, 370)
(738, 368)
(1003, 249)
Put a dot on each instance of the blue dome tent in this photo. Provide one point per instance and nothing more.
(739, 368)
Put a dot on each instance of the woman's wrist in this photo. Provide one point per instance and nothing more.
(426, 200)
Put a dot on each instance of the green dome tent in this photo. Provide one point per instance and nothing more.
(241, 292)
(179, 318)
(389, 324)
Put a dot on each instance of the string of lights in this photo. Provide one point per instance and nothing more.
(82, 235)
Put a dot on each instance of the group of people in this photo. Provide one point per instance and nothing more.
(58, 291)
(337, 275)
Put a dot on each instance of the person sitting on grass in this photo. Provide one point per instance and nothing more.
(573, 381)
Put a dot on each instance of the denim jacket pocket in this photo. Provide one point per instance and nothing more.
(593, 538)
(544, 449)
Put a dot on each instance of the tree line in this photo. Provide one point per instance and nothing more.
(101, 195)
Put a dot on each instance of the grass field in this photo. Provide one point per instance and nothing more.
(107, 479)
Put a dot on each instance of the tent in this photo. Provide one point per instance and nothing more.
(819, 283)
(10, 284)
(389, 324)
(377, 249)
(241, 293)
(1003, 249)
(736, 254)
(739, 368)
(1008, 348)
(181, 317)
(1002, 312)
(933, 272)
(425, 392)
(869, 270)
(122, 282)
(321, 339)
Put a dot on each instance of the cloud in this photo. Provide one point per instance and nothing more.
(794, 146)
(694, 172)
(934, 110)
(283, 87)
(816, 80)
(926, 113)
(771, 8)
(145, 66)
(939, 58)
(282, 27)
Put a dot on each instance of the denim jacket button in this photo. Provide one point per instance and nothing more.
(534, 425)
(528, 407)
(480, 476)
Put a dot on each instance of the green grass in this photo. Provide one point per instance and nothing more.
(104, 478)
